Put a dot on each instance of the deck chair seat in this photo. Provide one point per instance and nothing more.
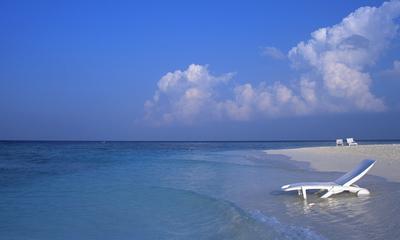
(344, 183)
(351, 142)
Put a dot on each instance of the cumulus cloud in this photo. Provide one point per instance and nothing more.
(334, 77)
(185, 95)
(195, 94)
(340, 55)
(273, 52)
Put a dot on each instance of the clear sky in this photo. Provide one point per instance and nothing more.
(199, 70)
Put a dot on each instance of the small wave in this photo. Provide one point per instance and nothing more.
(251, 223)
(286, 231)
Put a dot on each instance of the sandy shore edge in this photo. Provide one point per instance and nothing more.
(342, 159)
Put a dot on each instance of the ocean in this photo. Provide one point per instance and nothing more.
(179, 190)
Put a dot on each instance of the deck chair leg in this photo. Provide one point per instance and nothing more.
(327, 194)
(304, 192)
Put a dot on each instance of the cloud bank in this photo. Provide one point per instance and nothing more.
(333, 77)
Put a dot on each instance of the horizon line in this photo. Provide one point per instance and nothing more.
(280, 140)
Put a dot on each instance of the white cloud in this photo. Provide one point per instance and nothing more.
(394, 71)
(334, 63)
(185, 95)
(192, 95)
(273, 53)
(340, 55)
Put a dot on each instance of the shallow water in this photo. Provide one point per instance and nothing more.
(178, 190)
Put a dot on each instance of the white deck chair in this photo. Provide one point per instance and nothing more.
(351, 142)
(344, 183)
(339, 142)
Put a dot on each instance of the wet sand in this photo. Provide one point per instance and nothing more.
(342, 159)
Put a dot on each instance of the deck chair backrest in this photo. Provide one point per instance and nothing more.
(355, 174)
(350, 140)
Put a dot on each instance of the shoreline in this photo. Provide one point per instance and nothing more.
(343, 159)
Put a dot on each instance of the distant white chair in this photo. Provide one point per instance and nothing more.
(342, 184)
(351, 142)
(339, 142)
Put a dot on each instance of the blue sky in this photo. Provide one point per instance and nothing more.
(94, 70)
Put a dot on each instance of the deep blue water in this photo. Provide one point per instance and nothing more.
(177, 190)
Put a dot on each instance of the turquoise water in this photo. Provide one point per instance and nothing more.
(178, 190)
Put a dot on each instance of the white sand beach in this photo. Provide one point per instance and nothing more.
(342, 159)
